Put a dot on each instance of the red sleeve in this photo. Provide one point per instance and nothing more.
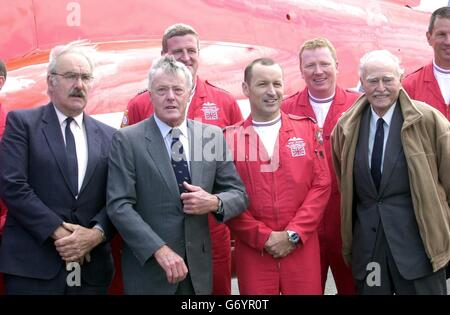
(244, 226)
(235, 114)
(138, 109)
(310, 213)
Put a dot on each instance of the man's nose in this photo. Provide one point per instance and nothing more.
(380, 85)
(184, 55)
(270, 90)
(318, 69)
(170, 94)
(78, 81)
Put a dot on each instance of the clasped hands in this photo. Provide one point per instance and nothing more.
(74, 242)
(278, 244)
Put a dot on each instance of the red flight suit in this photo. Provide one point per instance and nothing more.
(421, 85)
(213, 106)
(291, 196)
(330, 227)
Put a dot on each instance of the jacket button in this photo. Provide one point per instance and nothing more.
(374, 229)
(380, 202)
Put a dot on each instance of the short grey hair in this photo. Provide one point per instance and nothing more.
(169, 65)
(81, 47)
(381, 56)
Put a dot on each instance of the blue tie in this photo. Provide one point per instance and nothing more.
(179, 162)
(377, 153)
(72, 161)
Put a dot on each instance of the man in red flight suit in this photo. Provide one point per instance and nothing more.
(324, 101)
(283, 166)
(210, 105)
(3, 209)
(431, 83)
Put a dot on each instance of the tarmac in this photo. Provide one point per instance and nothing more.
(330, 286)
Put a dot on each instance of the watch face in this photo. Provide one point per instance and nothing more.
(293, 237)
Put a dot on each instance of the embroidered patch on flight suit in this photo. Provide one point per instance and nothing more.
(210, 111)
(297, 146)
(319, 135)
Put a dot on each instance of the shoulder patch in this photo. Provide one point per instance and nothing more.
(295, 117)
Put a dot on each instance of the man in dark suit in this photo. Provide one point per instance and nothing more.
(166, 174)
(53, 179)
(391, 158)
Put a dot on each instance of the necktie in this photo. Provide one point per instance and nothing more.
(178, 159)
(377, 153)
(72, 161)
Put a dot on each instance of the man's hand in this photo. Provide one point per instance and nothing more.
(174, 266)
(78, 244)
(278, 244)
(197, 201)
(60, 232)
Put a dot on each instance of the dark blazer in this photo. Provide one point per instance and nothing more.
(390, 208)
(144, 203)
(34, 184)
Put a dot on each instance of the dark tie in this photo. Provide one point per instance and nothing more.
(377, 153)
(72, 161)
(179, 162)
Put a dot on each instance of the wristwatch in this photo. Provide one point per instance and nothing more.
(220, 209)
(293, 237)
(97, 227)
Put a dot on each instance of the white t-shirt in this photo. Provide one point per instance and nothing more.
(321, 106)
(268, 133)
(443, 78)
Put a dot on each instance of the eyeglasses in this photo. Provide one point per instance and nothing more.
(73, 76)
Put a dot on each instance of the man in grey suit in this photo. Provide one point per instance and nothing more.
(166, 174)
(391, 158)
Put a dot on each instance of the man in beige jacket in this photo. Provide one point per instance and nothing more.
(391, 156)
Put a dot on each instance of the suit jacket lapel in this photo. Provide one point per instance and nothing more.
(196, 158)
(52, 132)
(364, 147)
(94, 149)
(157, 150)
(393, 147)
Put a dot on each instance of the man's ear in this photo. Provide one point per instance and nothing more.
(245, 89)
(2, 81)
(428, 34)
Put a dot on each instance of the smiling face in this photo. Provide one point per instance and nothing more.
(319, 71)
(381, 82)
(264, 91)
(170, 95)
(66, 88)
(185, 50)
(439, 39)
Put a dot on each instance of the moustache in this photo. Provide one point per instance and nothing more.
(77, 93)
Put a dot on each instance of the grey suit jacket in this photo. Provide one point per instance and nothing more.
(144, 204)
(390, 208)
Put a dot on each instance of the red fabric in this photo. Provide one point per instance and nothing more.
(214, 106)
(421, 85)
(330, 227)
(290, 196)
(202, 104)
